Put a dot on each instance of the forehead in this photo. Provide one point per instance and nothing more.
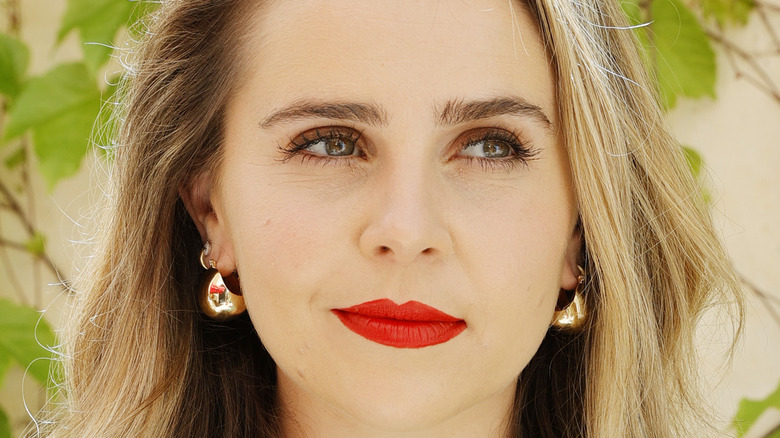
(376, 49)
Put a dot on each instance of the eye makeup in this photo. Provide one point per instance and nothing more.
(490, 148)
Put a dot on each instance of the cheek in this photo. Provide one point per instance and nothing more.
(517, 270)
(285, 247)
(519, 295)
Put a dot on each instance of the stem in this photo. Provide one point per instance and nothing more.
(768, 6)
(765, 83)
(763, 296)
(16, 285)
(772, 431)
(14, 206)
(31, 214)
(769, 29)
(14, 17)
(756, 83)
(13, 245)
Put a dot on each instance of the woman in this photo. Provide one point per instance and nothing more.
(442, 218)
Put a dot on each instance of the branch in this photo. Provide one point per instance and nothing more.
(765, 297)
(14, 206)
(31, 216)
(768, 6)
(769, 29)
(771, 432)
(766, 83)
(14, 245)
(14, 17)
(17, 286)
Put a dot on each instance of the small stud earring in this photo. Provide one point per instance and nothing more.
(216, 300)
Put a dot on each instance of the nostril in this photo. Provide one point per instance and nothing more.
(427, 250)
(384, 249)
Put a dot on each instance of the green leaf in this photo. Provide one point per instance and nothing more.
(22, 333)
(36, 245)
(637, 17)
(14, 56)
(5, 425)
(98, 22)
(684, 59)
(695, 164)
(728, 11)
(694, 160)
(749, 411)
(633, 11)
(60, 107)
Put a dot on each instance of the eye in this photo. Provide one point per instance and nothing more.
(332, 146)
(488, 149)
(325, 143)
(495, 148)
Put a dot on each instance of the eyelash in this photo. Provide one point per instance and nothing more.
(307, 139)
(522, 151)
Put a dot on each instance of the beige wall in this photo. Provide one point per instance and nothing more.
(738, 135)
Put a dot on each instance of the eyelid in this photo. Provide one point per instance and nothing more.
(306, 138)
(522, 148)
(298, 145)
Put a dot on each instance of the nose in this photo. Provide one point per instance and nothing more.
(406, 219)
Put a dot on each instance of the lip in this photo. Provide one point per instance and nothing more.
(409, 325)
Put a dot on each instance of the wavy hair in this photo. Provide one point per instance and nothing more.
(139, 359)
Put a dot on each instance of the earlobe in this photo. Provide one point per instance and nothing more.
(572, 259)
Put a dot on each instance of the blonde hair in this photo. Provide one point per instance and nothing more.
(140, 360)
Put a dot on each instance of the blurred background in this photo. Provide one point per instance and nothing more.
(718, 68)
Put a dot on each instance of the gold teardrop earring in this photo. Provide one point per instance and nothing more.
(571, 311)
(220, 298)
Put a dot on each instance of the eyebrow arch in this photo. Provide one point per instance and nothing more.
(459, 111)
(367, 113)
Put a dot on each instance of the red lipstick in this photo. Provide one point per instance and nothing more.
(409, 325)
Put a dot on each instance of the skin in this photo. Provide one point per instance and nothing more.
(416, 214)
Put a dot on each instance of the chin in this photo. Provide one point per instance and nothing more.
(416, 402)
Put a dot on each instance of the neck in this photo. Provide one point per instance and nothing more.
(305, 415)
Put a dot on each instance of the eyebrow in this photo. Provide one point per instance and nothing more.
(367, 113)
(454, 112)
(459, 111)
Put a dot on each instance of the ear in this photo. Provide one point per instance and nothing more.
(572, 258)
(199, 199)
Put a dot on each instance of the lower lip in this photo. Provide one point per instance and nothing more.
(400, 333)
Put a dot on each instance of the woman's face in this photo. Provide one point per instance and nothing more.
(406, 151)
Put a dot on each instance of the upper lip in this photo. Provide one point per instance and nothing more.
(409, 311)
